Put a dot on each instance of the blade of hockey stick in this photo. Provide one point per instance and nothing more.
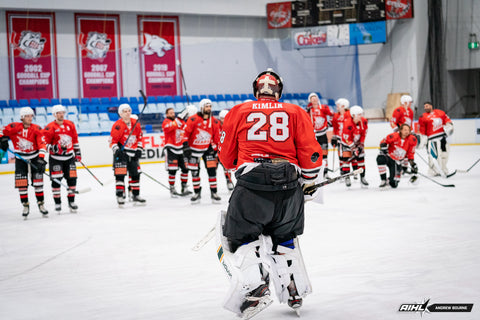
(433, 180)
(209, 236)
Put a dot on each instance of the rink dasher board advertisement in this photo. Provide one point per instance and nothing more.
(96, 151)
(98, 54)
(32, 55)
(340, 35)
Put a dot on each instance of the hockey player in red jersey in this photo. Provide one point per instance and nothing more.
(321, 118)
(355, 129)
(402, 114)
(62, 143)
(173, 128)
(394, 149)
(29, 144)
(127, 148)
(435, 126)
(201, 140)
(337, 124)
(228, 173)
(272, 146)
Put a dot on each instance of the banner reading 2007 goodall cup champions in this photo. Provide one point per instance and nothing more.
(32, 55)
(99, 58)
(159, 46)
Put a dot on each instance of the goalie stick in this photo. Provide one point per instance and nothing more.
(48, 175)
(203, 241)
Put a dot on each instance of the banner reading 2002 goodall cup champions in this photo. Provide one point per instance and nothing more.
(159, 45)
(99, 58)
(32, 55)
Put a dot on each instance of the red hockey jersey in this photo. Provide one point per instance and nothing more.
(431, 124)
(28, 143)
(64, 136)
(266, 129)
(319, 116)
(337, 123)
(401, 116)
(354, 133)
(120, 132)
(201, 133)
(398, 148)
(173, 131)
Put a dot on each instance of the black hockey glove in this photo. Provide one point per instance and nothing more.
(187, 152)
(118, 153)
(413, 167)
(4, 143)
(309, 189)
(138, 153)
(41, 164)
(384, 148)
(358, 150)
(58, 150)
(334, 142)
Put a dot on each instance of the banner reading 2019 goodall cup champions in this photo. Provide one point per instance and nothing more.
(159, 44)
(99, 58)
(32, 55)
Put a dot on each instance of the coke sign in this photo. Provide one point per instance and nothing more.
(317, 37)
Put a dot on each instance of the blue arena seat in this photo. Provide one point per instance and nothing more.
(45, 102)
(23, 102)
(85, 101)
(55, 101)
(12, 103)
(66, 102)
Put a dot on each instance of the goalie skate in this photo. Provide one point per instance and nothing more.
(258, 306)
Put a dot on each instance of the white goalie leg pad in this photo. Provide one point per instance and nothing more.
(443, 158)
(286, 264)
(242, 268)
(433, 149)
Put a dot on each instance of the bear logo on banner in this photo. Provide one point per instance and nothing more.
(97, 45)
(155, 45)
(30, 44)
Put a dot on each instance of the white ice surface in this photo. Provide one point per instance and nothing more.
(367, 251)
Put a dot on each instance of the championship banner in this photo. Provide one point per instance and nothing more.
(159, 43)
(99, 58)
(32, 55)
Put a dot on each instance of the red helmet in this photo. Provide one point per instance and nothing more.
(268, 83)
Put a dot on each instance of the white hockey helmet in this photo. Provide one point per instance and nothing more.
(203, 103)
(405, 99)
(313, 94)
(356, 110)
(343, 102)
(222, 114)
(191, 110)
(26, 111)
(122, 107)
(58, 108)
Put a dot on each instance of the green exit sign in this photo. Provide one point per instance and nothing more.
(473, 45)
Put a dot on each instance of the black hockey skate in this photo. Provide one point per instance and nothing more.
(185, 191)
(120, 201)
(26, 210)
(58, 207)
(383, 184)
(363, 182)
(42, 209)
(294, 301)
(139, 201)
(348, 182)
(73, 207)
(173, 192)
(215, 198)
(196, 197)
(255, 301)
(230, 185)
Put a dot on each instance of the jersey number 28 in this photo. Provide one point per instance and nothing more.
(277, 129)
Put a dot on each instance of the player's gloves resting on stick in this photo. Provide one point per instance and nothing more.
(384, 148)
(334, 142)
(138, 153)
(4, 143)
(187, 152)
(41, 164)
(413, 166)
(118, 153)
(309, 189)
(78, 155)
(358, 150)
